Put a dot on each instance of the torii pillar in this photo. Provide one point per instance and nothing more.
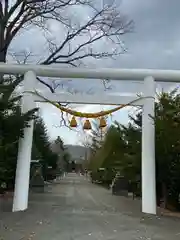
(20, 201)
(148, 148)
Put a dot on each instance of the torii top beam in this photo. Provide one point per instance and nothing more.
(92, 73)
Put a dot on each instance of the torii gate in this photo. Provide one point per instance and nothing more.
(20, 201)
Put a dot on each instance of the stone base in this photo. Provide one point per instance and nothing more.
(37, 189)
(121, 193)
(6, 203)
(37, 184)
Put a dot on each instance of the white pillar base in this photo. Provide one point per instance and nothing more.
(20, 201)
(148, 149)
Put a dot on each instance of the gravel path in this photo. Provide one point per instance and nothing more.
(75, 209)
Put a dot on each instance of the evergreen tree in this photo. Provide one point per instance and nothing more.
(64, 156)
(42, 147)
(12, 123)
(121, 149)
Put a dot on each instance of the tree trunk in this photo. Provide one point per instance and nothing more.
(2, 60)
(2, 56)
(3, 47)
(3, 50)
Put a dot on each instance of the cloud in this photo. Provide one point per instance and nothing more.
(155, 43)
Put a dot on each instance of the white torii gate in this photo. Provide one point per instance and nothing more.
(20, 201)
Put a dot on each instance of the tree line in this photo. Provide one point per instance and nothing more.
(106, 24)
(12, 123)
(119, 151)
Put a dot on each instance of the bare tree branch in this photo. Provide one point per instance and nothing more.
(21, 57)
(106, 24)
(100, 26)
(63, 121)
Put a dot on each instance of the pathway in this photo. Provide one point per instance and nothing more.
(78, 210)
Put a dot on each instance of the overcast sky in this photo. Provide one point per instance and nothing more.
(155, 43)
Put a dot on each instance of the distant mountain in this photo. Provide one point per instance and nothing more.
(77, 152)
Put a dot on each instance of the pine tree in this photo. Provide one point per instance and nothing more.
(12, 123)
(42, 148)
